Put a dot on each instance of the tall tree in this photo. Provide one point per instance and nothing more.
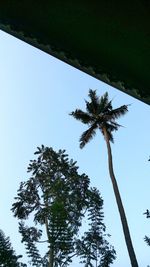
(8, 257)
(57, 197)
(100, 115)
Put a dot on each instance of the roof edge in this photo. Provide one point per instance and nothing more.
(61, 55)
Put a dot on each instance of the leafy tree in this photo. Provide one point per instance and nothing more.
(8, 258)
(57, 198)
(100, 115)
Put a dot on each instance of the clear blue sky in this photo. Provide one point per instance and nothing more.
(37, 92)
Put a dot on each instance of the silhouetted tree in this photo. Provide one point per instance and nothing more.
(100, 115)
(58, 198)
(8, 257)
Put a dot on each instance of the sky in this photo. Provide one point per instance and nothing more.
(37, 92)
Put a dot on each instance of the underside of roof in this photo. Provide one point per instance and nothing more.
(109, 40)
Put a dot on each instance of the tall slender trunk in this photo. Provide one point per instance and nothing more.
(126, 231)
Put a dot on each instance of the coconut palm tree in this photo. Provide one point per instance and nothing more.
(101, 115)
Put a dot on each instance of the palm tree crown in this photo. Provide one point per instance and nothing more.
(99, 115)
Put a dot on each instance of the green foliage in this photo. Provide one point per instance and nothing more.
(58, 198)
(93, 248)
(8, 257)
(29, 236)
(99, 115)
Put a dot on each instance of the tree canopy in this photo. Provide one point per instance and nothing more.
(55, 199)
(99, 115)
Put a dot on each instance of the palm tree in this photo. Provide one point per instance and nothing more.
(101, 115)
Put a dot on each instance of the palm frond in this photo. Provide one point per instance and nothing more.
(111, 127)
(84, 117)
(104, 103)
(93, 104)
(88, 135)
(91, 108)
(108, 107)
(118, 112)
(93, 97)
(117, 125)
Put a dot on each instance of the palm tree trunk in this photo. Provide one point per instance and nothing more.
(126, 231)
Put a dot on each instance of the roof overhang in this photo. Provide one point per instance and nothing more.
(109, 40)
